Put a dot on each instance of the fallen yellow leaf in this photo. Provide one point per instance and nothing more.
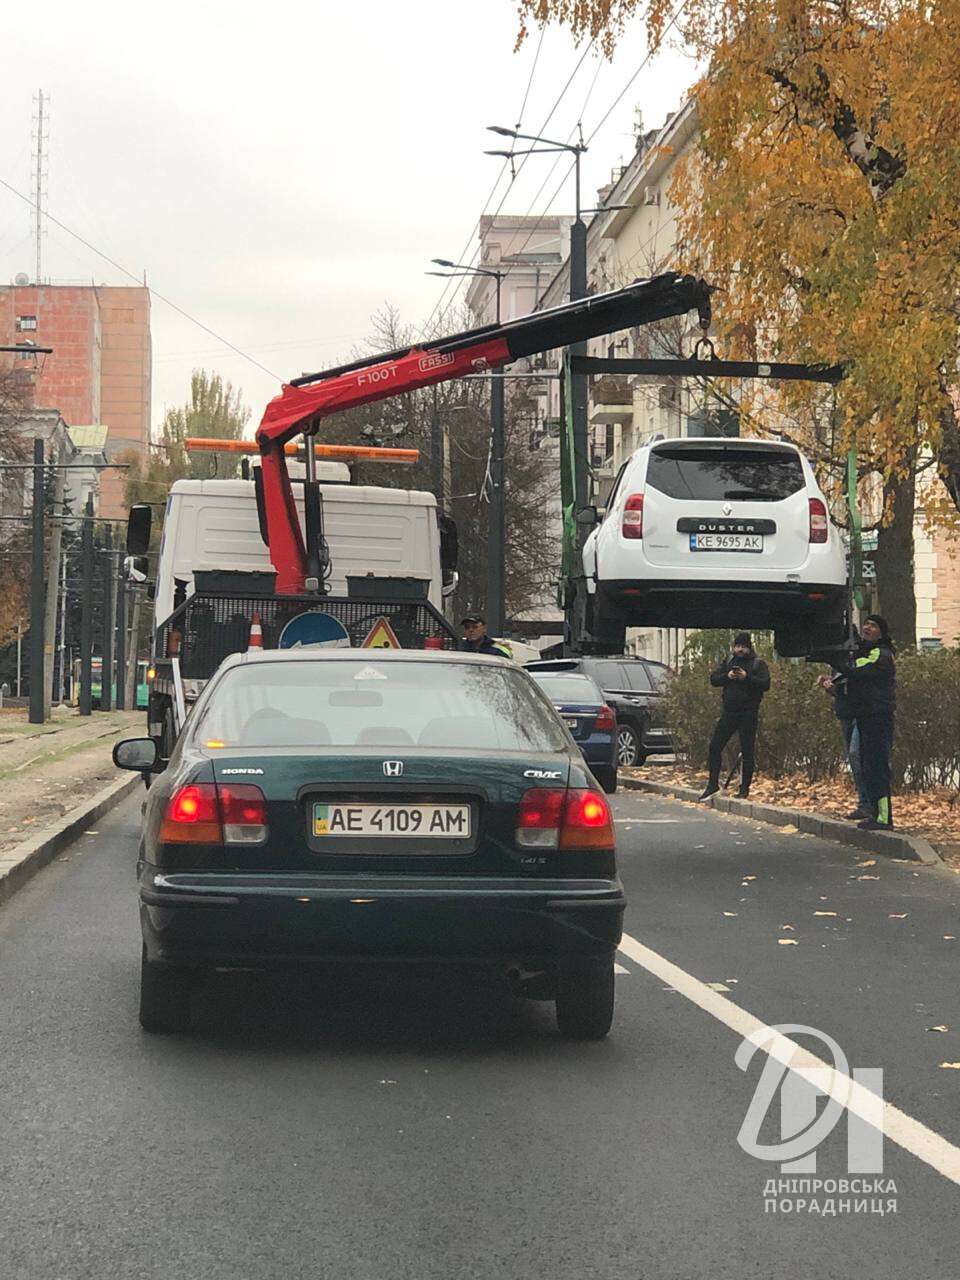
(950, 1066)
(729, 913)
(824, 913)
(787, 942)
(941, 1027)
(749, 877)
(894, 916)
(868, 877)
(870, 862)
(787, 926)
(949, 937)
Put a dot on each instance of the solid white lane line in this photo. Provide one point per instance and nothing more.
(900, 1128)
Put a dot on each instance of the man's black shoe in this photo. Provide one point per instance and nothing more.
(711, 790)
(858, 815)
(871, 824)
(743, 793)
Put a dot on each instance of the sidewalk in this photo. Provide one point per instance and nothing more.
(934, 815)
(47, 771)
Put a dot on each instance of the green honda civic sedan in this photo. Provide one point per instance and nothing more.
(330, 806)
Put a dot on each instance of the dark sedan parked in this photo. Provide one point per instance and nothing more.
(321, 806)
(588, 717)
(634, 688)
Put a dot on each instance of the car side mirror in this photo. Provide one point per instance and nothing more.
(588, 517)
(139, 754)
(138, 529)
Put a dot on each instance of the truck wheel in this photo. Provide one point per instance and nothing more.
(630, 752)
(165, 996)
(585, 1002)
(606, 775)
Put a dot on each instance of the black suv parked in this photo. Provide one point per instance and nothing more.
(634, 687)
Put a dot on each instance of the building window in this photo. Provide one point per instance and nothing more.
(26, 322)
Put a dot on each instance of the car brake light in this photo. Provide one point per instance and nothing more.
(192, 816)
(819, 524)
(243, 810)
(538, 821)
(587, 821)
(606, 721)
(575, 819)
(632, 523)
(202, 813)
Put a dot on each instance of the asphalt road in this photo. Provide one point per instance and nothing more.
(387, 1131)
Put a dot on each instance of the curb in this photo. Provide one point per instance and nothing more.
(895, 845)
(20, 864)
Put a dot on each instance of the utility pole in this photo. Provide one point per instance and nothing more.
(122, 636)
(109, 586)
(37, 598)
(86, 607)
(132, 650)
(53, 580)
(63, 630)
(42, 137)
(496, 532)
(436, 451)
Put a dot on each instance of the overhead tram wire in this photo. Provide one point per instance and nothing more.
(496, 181)
(651, 52)
(153, 292)
(440, 310)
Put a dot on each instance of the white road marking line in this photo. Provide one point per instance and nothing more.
(648, 821)
(900, 1128)
(618, 968)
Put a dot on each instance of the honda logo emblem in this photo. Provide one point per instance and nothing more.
(393, 768)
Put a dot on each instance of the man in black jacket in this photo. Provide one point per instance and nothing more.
(744, 679)
(871, 680)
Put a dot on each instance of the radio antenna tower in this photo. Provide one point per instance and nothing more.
(41, 136)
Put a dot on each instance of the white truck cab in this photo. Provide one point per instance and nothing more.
(213, 524)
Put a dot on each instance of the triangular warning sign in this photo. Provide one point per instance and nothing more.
(381, 636)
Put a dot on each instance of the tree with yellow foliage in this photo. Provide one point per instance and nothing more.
(824, 200)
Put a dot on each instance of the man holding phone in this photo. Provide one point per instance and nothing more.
(744, 679)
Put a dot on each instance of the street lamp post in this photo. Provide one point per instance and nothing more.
(578, 289)
(496, 536)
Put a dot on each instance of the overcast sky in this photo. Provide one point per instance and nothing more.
(281, 171)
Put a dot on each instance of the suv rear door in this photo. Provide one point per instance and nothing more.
(694, 492)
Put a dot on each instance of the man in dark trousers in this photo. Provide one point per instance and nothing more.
(871, 680)
(744, 679)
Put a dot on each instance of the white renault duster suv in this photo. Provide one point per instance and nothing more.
(717, 533)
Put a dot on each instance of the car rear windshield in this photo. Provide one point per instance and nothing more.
(712, 475)
(571, 688)
(378, 704)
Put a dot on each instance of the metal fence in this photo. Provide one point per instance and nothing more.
(210, 627)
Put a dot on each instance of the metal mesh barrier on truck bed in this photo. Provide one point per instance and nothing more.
(211, 627)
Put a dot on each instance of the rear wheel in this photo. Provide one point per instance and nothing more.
(630, 751)
(165, 995)
(585, 1002)
(606, 775)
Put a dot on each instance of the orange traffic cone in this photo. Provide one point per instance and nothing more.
(256, 634)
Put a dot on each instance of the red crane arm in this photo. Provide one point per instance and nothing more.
(302, 404)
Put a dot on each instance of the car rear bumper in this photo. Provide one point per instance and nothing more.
(599, 751)
(706, 602)
(267, 920)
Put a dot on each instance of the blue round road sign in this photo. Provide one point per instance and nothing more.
(314, 631)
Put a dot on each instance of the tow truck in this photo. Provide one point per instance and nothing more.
(214, 613)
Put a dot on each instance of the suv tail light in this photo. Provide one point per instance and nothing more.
(606, 721)
(632, 523)
(819, 523)
(203, 813)
(573, 819)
